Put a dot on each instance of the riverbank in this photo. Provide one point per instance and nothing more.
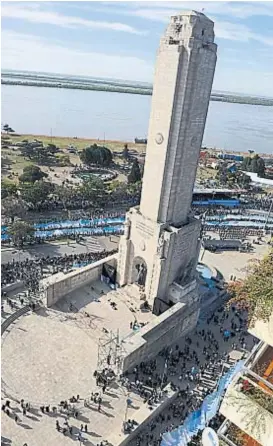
(114, 86)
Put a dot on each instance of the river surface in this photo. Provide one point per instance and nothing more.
(120, 116)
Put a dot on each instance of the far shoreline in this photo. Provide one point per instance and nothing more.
(126, 89)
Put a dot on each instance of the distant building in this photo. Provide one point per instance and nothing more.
(230, 156)
(140, 141)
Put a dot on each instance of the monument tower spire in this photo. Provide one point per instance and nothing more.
(160, 247)
(182, 86)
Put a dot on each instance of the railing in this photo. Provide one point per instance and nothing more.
(13, 318)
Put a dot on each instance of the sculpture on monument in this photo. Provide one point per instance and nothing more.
(186, 273)
(127, 228)
(141, 275)
(160, 246)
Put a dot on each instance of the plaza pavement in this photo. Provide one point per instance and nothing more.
(232, 262)
(52, 355)
(53, 249)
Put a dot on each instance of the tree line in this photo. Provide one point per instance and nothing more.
(254, 164)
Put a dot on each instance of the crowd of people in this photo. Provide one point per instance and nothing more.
(246, 204)
(31, 271)
(54, 204)
(239, 233)
(193, 366)
(193, 369)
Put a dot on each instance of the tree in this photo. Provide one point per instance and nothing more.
(125, 152)
(242, 179)
(7, 189)
(62, 159)
(118, 190)
(255, 292)
(134, 189)
(254, 164)
(93, 189)
(20, 232)
(27, 151)
(246, 163)
(52, 149)
(37, 192)
(6, 128)
(260, 167)
(13, 207)
(32, 174)
(99, 155)
(135, 174)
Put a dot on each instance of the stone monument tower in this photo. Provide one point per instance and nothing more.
(160, 247)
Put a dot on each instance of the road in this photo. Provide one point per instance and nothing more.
(89, 244)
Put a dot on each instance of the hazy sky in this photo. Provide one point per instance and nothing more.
(120, 39)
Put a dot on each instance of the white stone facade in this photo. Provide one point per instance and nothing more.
(160, 234)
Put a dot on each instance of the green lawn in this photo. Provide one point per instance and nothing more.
(18, 162)
(80, 143)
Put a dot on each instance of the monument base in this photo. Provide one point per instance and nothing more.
(156, 255)
(162, 331)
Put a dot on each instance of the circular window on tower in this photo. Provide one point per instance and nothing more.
(159, 138)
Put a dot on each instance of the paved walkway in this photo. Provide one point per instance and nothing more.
(90, 244)
(49, 357)
(232, 262)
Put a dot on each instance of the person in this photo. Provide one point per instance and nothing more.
(86, 429)
(81, 427)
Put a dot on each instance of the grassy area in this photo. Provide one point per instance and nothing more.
(80, 143)
(203, 173)
(17, 162)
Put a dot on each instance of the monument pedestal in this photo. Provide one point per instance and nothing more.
(166, 253)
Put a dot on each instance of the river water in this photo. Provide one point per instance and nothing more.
(120, 116)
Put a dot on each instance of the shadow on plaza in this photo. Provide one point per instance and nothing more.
(25, 426)
(77, 431)
(80, 301)
(107, 404)
(103, 412)
(5, 441)
(112, 395)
